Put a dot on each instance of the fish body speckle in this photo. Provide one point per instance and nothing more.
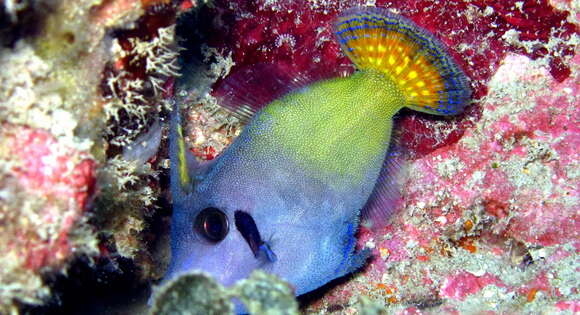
(287, 195)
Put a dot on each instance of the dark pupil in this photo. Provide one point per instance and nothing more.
(212, 224)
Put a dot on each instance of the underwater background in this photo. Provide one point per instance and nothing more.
(487, 220)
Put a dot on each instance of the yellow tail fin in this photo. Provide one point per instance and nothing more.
(375, 39)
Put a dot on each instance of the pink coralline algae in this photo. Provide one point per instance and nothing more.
(46, 187)
(466, 283)
(517, 162)
(61, 180)
(573, 306)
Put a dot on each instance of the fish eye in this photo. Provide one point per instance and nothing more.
(212, 223)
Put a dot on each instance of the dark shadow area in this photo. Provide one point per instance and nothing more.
(305, 300)
(109, 285)
(18, 23)
(106, 287)
(191, 37)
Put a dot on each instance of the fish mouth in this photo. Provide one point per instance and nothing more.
(247, 227)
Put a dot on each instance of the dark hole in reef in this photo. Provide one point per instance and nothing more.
(527, 261)
(429, 303)
(102, 288)
(335, 308)
(112, 285)
(69, 37)
(26, 22)
(194, 31)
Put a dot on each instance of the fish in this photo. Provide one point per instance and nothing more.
(287, 196)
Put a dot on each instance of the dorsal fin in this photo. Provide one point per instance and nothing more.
(178, 155)
(186, 170)
(386, 195)
(249, 89)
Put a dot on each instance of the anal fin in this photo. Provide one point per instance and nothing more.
(386, 195)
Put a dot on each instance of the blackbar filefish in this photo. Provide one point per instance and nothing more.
(286, 197)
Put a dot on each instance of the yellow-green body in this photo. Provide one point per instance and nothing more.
(334, 127)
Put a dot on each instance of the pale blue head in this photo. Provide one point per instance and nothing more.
(250, 211)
